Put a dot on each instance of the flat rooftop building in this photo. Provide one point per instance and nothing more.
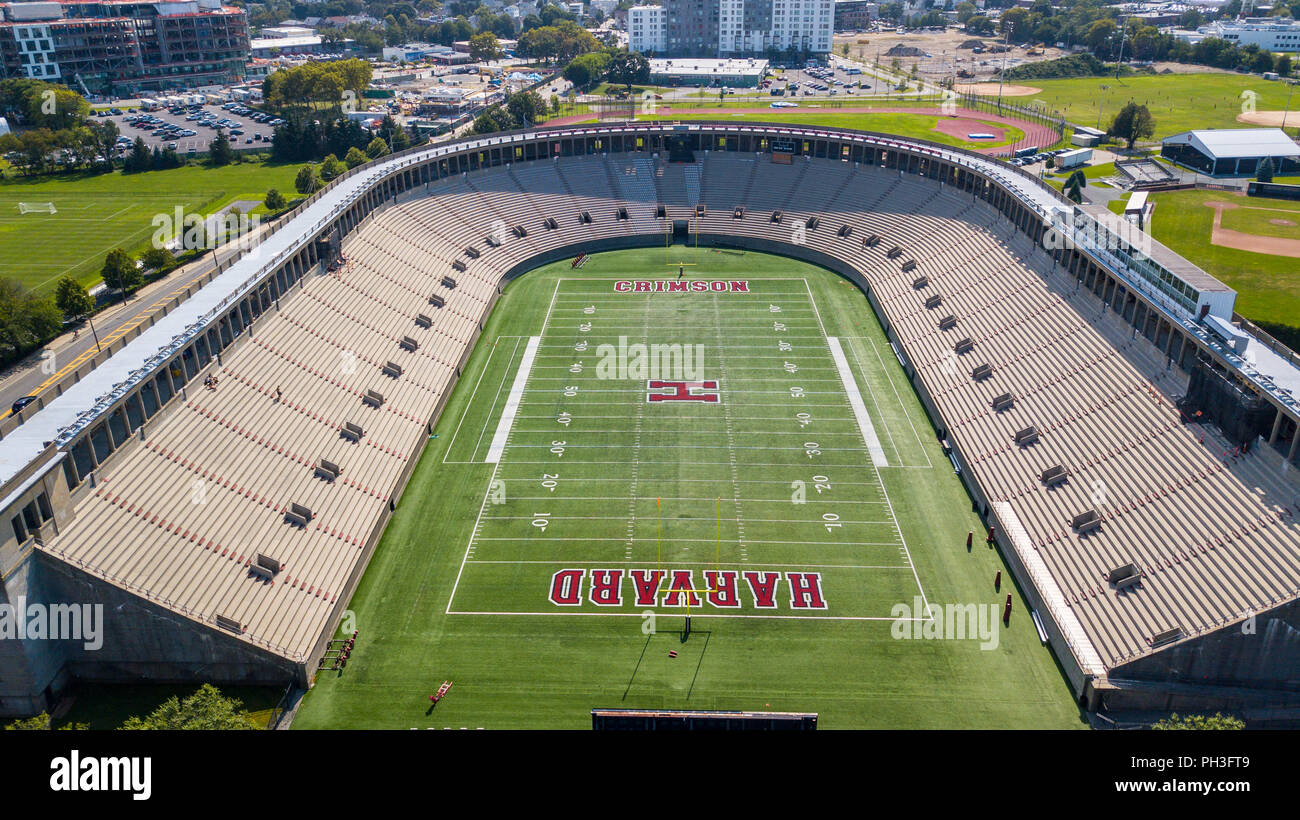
(1232, 151)
(742, 73)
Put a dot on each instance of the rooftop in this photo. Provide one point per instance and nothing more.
(1227, 143)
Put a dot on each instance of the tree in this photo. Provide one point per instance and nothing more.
(628, 67)
(1074, 186)
(139, 160)
(72, 298)
(330, 167)
(965, 10)
(1218, 721)
(586, 70)
(26, 320)
(307, 182)
(525, 108)
(275, 201)
(1132, 123)
(205, 710)
(219, 152)
(355, 157)
(157, 259)
(119, 272)
(979, 24)
(377, 148)
(1265, 171)
(41, 723)
(484, 47)
(105, 134)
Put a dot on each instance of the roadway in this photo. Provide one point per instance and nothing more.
(37, 374)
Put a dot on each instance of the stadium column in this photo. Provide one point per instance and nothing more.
(1294, 441)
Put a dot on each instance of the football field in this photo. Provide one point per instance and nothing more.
(741, 445)
(618, 487)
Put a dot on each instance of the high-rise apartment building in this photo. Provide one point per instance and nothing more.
(731, 28)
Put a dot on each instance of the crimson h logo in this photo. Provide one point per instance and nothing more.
(682, 391)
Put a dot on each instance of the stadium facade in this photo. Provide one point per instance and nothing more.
(124, 46)
(1180, 591)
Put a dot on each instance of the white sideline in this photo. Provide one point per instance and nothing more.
(512, 402)
(855, 401)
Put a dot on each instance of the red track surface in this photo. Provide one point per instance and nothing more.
(958, 126)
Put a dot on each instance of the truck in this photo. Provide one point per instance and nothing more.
(1072, 159)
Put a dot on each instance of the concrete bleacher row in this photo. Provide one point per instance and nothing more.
(1102, 402)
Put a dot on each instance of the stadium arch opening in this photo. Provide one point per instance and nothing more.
(1048, 361)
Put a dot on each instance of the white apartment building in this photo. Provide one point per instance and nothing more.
(646, 29)
(731, 28)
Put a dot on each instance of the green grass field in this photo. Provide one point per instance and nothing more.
(1178, 102)
(96, 213)
(776, 478)
(1268, 287)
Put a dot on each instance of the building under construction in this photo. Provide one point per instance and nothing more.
(124, 47)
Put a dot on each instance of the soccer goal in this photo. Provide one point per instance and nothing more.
(37, 208)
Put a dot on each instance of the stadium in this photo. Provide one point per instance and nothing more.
(221, 482)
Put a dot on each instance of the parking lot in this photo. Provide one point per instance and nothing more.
(189, 130)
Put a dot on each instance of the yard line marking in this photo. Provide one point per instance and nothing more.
(488, 418)
(907, 415)
(473, 533)
(470, 404)
(823, 544)
(884, 420)
(512, 402)
(855, 401)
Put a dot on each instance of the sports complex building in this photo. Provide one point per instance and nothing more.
(1128, 445)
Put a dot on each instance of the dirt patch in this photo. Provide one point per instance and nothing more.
(1237, 240)
(1270, 118)
(989, 89)
(1285, 223)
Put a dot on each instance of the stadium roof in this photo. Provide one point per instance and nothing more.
(1232, 143)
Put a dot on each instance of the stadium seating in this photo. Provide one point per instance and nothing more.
(1172, 499)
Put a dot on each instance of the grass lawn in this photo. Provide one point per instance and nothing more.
(97, 213)
(595, 475)
(1268, 219)
(1268, 287)
(1178, 102)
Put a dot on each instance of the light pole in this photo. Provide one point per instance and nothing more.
(1006, 46)
(1119, 61)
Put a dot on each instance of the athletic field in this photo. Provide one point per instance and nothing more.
(95, 213)
(735, 442)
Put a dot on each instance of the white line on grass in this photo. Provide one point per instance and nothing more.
(855, 401)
